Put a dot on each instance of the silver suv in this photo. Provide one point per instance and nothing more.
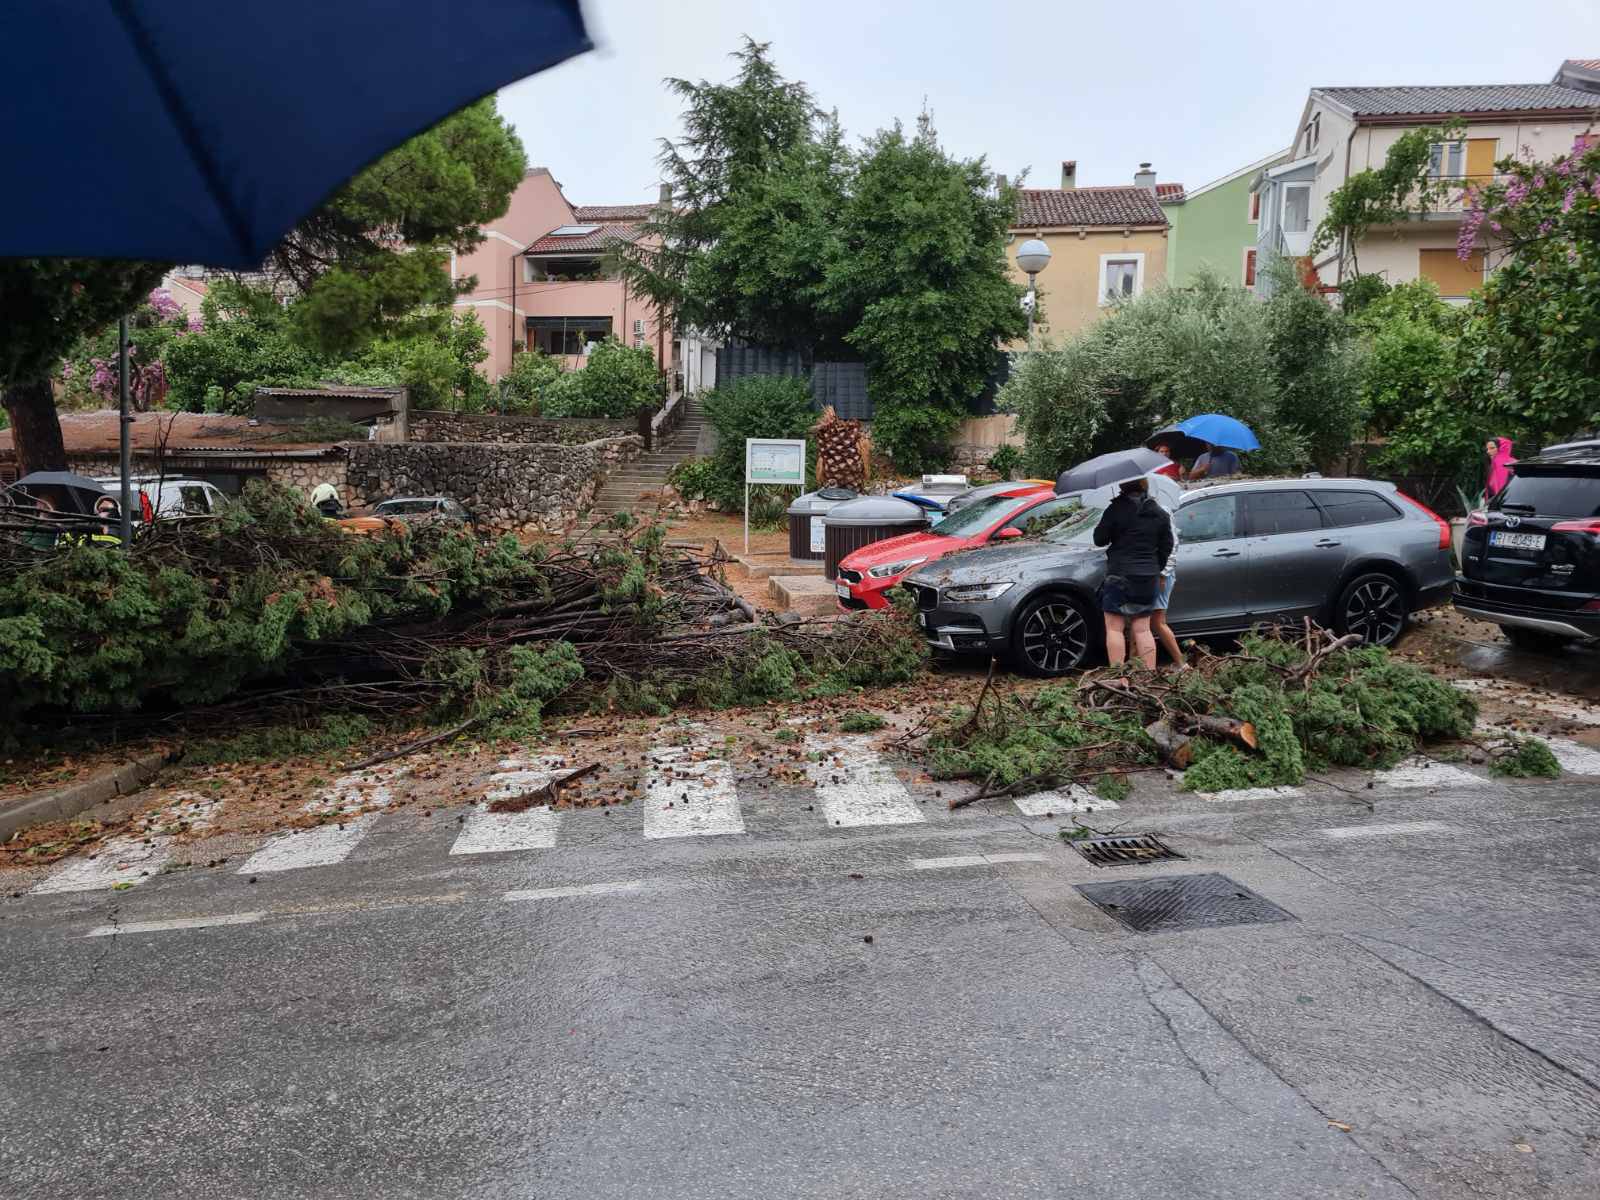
(1355, 554)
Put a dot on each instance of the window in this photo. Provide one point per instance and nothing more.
(1296, 207)
(1249, 267)
(1346, 508)
(544, 270)
(1208, 520)
(1046, 516)
(1121, 277)
(1453, 277)
(1313, 133)
(1571, 495)
(1268, 513)
(1445, 160)
(572, 230)
(567, 335)
(1255, 207)
(194, 499)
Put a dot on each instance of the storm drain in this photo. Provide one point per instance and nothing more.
(1125, 851)
(1170, 902)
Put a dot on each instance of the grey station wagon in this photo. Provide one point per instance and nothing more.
(1354, 554)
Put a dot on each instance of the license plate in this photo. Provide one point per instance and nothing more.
(1517, 541)
(843, 589)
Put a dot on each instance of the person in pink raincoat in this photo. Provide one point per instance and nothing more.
(1500, 460)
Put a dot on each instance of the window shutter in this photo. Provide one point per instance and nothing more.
(1452, 276)
(1480, 159)
(1255, 206)
(1249, 268)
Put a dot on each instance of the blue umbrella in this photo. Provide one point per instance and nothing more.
(1220, 431)
(200, 131)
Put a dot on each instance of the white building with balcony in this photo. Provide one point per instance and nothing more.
(1345, 130)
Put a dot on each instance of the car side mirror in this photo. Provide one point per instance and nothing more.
(1009, 532)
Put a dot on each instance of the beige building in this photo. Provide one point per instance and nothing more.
(1345, 130)
(1106, 243)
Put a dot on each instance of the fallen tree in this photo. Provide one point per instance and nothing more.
(1260, 717)
(270, 608)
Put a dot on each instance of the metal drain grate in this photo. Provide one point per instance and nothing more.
(1170, 902)
(1126, 851)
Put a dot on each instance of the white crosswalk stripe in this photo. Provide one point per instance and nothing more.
(329, 843)
(130, 858)
(1282, 792)
(1076, 799)
(1575, 758)
(488, 832)
(1422, 772)
(855, 786)
(689, 793)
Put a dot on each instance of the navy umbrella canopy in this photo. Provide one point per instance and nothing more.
(201, 131)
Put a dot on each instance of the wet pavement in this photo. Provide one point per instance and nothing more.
(918, 1007)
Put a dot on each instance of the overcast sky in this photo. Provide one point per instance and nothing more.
(1198, 87)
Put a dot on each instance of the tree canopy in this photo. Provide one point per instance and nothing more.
(780, 234)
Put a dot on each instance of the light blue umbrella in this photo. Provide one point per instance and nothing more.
(1220, 430)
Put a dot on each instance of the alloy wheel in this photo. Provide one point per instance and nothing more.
(1055, 637)
(1376, 611)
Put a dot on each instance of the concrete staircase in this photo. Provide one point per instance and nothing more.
(632, 487)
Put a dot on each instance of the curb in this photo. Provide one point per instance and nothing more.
(69, 801)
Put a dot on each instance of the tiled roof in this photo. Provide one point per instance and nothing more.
(600, 239)
(588, 214)
(1113, 206)
(95, 432)
(1170, 193)
(1472, 98)
(1584, 64)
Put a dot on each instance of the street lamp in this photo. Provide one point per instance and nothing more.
(1033, 256)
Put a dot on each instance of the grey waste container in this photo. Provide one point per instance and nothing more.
(805, 520)
(858, 523)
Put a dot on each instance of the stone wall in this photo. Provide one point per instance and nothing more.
(535, 488)
(436, 426)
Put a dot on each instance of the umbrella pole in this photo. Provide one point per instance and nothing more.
(124, 451)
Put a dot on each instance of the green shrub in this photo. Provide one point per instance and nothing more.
(694, 478)
(1006, 462)
(615, 381)
(522, 388)
(757, 406)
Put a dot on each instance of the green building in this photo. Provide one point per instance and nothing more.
(1215, 226)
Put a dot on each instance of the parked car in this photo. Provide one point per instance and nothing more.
(418, 508)
(1355, 554)
(1530, 560)
(169, 497)
(867, 574)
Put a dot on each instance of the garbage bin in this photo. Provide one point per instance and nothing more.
(858, 523)
(805, 520)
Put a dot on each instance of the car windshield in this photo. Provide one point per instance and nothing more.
(1552, 495)
(1075, 527)
(975, 518)
(390, 507)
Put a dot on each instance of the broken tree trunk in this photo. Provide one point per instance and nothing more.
(1175, 747)
(1223, 729)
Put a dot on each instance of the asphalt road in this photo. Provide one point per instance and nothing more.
(706, 1016)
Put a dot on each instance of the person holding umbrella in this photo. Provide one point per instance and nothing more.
(1216, 462)
(1137, 535)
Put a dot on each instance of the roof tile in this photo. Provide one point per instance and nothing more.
(1109, 206)
(588, 214)
(1471, 98)
(600, 239)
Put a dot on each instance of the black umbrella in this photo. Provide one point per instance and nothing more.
(1115, 467)
(1181, 444)
(64, 489)
(215, 126)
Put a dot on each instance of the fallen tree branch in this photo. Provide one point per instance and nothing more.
(411, 747)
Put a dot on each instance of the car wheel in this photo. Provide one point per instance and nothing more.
(1533, 639)
(1051, 636)
(1375, 607)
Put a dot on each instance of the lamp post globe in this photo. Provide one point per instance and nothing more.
(1033, 256)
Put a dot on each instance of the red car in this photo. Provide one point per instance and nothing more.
(867, 574)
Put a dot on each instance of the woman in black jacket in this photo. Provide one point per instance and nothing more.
(1137, 535)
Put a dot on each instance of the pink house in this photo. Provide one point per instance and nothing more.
(542, 278)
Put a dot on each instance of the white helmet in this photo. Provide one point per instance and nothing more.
(324, 492)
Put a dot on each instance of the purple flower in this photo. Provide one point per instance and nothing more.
(166, 307)
(195, 323)
(1566, 201)
(1538, 181)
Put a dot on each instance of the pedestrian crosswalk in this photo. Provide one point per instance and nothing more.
(689, 790)
(344, 811)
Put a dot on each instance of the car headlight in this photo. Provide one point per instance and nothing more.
(889, 569)
(968, 592)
